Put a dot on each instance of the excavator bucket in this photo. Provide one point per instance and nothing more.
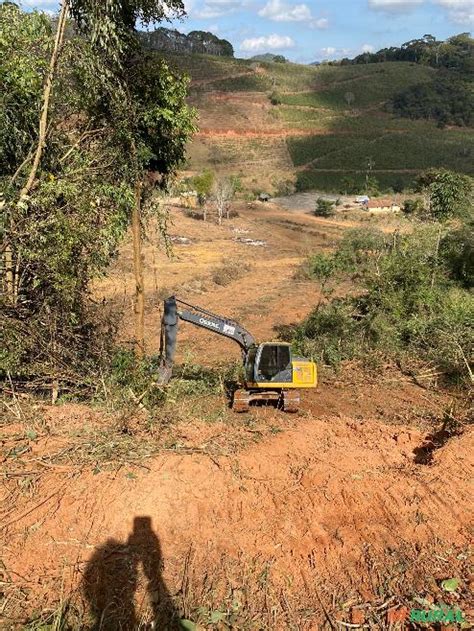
(169, 332)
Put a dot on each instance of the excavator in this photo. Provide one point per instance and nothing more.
(271, 371)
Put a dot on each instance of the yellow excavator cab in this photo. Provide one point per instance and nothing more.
(272, 365)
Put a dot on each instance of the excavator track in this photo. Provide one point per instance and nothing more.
(241, 401)
(290, 400)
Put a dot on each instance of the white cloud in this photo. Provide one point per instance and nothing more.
(50, 7)
(270, 42)
(367, 48)
(459, 11)
(329, 51)
(394, 5)
(216, 8)
(281, 11)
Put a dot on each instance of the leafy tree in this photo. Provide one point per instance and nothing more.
(449, 193)
(104, 116)
(275, 98)
(203, 184)
(349, 186)
(457, 250)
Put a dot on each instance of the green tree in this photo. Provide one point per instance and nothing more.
(203, 184)
(449, 193)
(457, 251)
(324, 207)
(109, 119)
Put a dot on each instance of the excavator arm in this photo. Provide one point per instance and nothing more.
(199, 317)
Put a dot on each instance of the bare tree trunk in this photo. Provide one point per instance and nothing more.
(219, 213)
(48, 87)
(138, 271)
(8, 265)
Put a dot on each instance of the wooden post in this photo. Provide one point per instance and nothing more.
(139, 306)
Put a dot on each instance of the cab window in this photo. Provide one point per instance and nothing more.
(274, 359)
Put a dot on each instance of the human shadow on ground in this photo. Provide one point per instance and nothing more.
(111, 580)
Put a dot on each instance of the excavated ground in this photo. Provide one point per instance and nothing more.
(331, 518)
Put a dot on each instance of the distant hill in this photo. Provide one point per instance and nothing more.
(329, 122)
(269, 57)
(195, 42)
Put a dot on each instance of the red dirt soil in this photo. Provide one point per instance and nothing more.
(332, 509)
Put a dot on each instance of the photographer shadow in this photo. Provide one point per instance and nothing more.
(111, 580)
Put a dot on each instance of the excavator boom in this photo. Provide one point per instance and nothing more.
(199, 317)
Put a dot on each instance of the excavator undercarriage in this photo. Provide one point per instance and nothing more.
(286, 400)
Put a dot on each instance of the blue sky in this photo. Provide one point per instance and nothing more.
(310, 30)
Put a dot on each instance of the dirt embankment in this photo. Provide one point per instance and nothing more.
(325, 519)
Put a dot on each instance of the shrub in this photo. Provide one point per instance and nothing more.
(457, 250)
(275, 98)
(324, 207)
(409, 305)
(412, 206)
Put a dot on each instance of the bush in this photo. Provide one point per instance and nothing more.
(413, 206)
(410, 305)
(275, 98)
(457, 250)
(324, 207)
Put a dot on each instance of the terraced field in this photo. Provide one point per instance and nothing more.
(328, 124)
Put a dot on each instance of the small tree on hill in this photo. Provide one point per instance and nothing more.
(324, 207)
(203, 184)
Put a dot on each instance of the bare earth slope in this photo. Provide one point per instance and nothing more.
(262, 521)
(291, 123)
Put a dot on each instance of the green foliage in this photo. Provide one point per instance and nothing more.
(450, 193)
(203, 184)
(448, 100)
(324, 207)
(413, 206)
(275, 98)
(105, 129)
(25, 43)
(408, 306)
(457, 249)
(455, 53)
(131, 380)
(110, 26)
(372, 186)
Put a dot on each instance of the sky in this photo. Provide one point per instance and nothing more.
(317, 29)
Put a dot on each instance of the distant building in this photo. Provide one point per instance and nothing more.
(362, 199)
(382, 205)
(264, 197)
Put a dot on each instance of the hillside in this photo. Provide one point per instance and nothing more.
(328, 123)
(327, 519)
